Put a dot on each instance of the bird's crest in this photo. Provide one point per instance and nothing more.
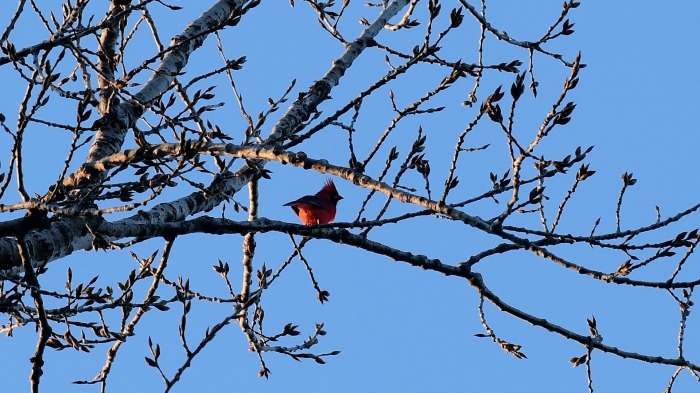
(330, 191)
(329, 186)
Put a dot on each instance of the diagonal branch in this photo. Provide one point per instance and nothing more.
(477, 282)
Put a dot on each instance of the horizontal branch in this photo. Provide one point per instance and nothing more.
(221, 226)
(299, 159)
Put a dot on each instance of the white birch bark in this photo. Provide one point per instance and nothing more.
(69, 234)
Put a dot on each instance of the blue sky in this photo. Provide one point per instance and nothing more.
(400, 328)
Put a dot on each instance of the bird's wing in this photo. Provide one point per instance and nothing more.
(309, 199)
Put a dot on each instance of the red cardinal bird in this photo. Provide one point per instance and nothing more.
(319, 208)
